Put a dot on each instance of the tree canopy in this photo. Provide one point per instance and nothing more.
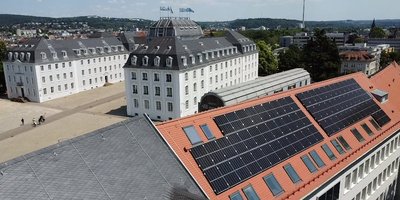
(290, 59)
(268, 64)
(377, 32)
(387, 58)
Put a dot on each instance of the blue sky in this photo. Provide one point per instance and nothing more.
(209, 10)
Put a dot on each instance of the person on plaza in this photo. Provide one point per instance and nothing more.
(34, 122)
(22, 121)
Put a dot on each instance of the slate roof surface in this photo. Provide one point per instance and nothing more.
(127, 160)
(35, 46)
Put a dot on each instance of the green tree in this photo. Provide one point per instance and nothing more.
(3, 53)
(290, 59)
(321, 57)
(268, 64)
(377, 32)
(387, 58)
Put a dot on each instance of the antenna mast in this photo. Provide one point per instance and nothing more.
(304, 8)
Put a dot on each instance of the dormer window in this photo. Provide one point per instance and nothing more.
(77, 52)
(15, 55)
(21, 56)
(10, 56)
(192, 60)
(169, 61)
(244, 49)
(64, 54)
(107, 49)
(224, 52)
(133, 60)
(184, 60)
(114, 48)
(92, 51)
(205, 55)
(100, 49)
(157, 61)
(200, 57)
(217, 53)
(145, 60)
(54, 55)
(121, 48)
(28, 56)
(43, 55)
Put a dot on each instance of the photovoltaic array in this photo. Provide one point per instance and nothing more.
(339, 105)
(256, 138)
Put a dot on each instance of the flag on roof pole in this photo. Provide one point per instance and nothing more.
(186, 10)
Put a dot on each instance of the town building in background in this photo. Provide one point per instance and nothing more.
(358, 61)
(40, 70)
(167, 76)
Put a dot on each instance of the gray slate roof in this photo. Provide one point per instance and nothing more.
(127, 160)
(258, 87)
(35, 46)
(165, 47)
(183, 28)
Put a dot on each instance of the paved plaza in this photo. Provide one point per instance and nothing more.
(66, 118)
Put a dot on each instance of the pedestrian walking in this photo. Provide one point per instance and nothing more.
(22, 121)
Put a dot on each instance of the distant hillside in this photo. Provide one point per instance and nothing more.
(7, 20)
(267, 22)
(92, 21)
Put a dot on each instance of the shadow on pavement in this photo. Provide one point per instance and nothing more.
(121, 111)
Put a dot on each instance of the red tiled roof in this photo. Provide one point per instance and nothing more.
(356, 55)
(387, 80)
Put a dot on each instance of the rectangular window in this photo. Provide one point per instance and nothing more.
(376, 125)
(357, 134)
(314, 155)
(146, 104)
(273, 185)
(169, 92)
(361, 171)
(347, 182)
(170, 107)
(250, 193)
(207, 131)
(328, 152)
(158, 105)
(44, 90)
(133, 74)
(344, 143)
(157, 91)
(144, 76)
(367, 129)
(192, 134)
(168, 78)
(135, 103)
(309, 164)
(156, 77)
(43, 79)
(235, 196)
(134, 89)
(145, 90)
(292, 173)
(354, 176)
(337, 146)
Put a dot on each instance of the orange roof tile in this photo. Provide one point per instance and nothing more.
(174, 135)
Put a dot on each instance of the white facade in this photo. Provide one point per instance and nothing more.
(368, 67)
(374, 176)
(188, 86)
(47, 81)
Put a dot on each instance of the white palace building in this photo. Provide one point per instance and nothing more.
(167, 76)
(40, 70)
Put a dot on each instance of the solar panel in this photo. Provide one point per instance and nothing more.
(339, 105)
(256, 139)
